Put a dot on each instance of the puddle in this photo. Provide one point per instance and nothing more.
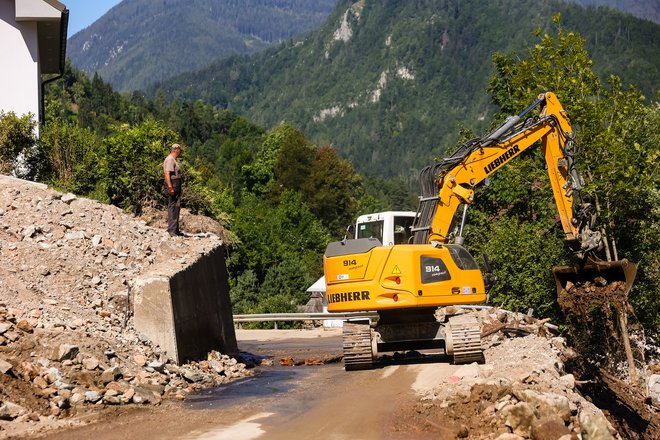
(271, 382)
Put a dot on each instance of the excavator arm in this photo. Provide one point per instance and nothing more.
(450, 183)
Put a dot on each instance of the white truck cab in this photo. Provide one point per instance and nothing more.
(390, 227)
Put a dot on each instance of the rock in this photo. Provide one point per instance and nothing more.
(53, 376)
(594, 426)
(507, 436)
(43, 270)
(29, 231)
(96, 240)
(5, 366)
(139, 359)
(64, 352)
(90, 363)
(110, 374)
(74, 235)
(519, 418)
(287, 361)
(145, 396)
(158, 366)
(128, 395)
(10, 411)
(549, 429)
(11, 336)
(92, 396)
(77, 398)
(40, 382)
(61, 402)
(546, 404)
(68, 198)
(600, 281)
(192, 376)
(4, 327)
(24, 325)
(654, 389)
(568, 381)
(467, 372)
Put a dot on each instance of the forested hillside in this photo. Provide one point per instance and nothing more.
(646, 9)
(139, 42)
(390, 83)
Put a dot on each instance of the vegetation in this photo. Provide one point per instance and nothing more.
(617, 152)
(139, 42)
(395, 94)
(284, 197)
(16, 140)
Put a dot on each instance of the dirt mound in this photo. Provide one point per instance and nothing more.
(523, 390)
(67, 344)
(190, 223)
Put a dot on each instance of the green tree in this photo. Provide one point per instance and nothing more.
(617, 151)
(260, 175)
(17, 137)
(132, 164)
(332, 190)
(71, 156)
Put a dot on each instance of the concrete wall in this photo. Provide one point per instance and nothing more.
(189, 312)
(19, 75)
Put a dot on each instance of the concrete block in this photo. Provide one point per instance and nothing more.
(187, 312)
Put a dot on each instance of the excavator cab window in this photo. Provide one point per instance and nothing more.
(461, 257)
(402, 226)
(371, 230)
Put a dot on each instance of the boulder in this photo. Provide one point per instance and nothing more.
(594, 426)
(519, 418)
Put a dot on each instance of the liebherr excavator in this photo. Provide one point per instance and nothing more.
(406, 283)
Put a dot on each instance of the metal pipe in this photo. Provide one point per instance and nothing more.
(460, 231)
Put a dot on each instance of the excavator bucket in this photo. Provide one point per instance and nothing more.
(596, 276)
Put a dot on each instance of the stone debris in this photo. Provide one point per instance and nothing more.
(521, 392)
(67, 344)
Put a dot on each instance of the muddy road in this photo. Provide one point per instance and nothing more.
(281, 402)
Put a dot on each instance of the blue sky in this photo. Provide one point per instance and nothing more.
(82, 13)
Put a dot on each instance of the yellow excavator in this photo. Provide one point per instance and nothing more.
(407, 283)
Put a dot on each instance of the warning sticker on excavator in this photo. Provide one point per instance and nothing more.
(396, 271)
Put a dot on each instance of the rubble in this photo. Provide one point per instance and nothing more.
(67, 345)
(522, 391)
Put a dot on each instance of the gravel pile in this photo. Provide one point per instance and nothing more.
(521, 391)
(67, 344)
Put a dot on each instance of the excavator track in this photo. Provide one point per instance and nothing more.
(358, 353)
(464, 339)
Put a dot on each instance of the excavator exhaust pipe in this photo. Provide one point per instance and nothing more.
(600, 273)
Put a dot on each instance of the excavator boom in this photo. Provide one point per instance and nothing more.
(455, 178)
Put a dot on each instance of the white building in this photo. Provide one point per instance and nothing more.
(32, 48)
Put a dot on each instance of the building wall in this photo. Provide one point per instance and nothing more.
(19, 75)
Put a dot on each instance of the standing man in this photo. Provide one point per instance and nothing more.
(173, 182)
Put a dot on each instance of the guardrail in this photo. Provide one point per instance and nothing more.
(274, 317)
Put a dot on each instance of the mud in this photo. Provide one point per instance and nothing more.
(597, 311)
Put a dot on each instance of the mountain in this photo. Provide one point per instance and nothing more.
(390, 83)
(139, 42)
(646, 9)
